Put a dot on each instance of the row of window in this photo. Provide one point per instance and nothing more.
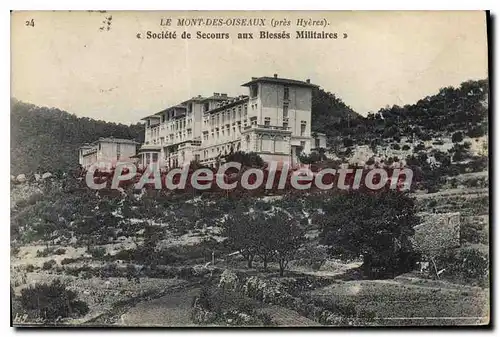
(224, 149)
(226, 116)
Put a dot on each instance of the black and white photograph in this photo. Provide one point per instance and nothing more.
(249, 169)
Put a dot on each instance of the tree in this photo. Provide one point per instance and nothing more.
(267, 232)
(242, 234)
(286, 240)
(250, 159)
(348, 142)
(313, 157)
(328, 111)
(51, 302)
(376, 226)
(457, 137)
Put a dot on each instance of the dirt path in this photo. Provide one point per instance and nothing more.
(286, 317)
(170, 310)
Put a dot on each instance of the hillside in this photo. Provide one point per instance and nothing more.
(328, 110)
(47, 139)
(464, 109)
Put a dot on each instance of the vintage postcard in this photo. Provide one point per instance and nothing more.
(249, 168)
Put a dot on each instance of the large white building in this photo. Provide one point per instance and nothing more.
(273, 120)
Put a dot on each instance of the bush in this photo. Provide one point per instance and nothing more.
(30, 268)
(477, 131)
(419, 147)
(109, 270)
(68, 261)
(348, 142)
(457, 137)
(466, 265)
(51, 302)
(49, 264)
(406, 147)
(14, 251)
(44, 253)
(97, 252)
(472, 231)
(370, 161)
(396, 146)
(230, 307)
(60, 251)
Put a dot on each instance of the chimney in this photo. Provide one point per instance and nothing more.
(275, 75)
(308, 81)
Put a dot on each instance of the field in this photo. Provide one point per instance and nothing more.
(125, 284)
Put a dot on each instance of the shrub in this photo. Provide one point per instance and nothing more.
(466, 265)
(396, 146)
(60, 251)
(457, 137)
(406, 147)
(49, 264)
(419, 147)
(30, 268)
(68, 261)
(125, 255)
(97, 252)
(228, 306)
(44, 253)
(473, 232)
(453, 183)
(51, 302)
(432, 203)
(425, 136)
(348, 142)
(370, 161)
(14, 251)
(109, 270)
(476, 131)
(474, 264)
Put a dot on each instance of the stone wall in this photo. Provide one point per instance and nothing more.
(437, 231)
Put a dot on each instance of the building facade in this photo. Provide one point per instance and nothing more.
(273, 120)
(108, 151)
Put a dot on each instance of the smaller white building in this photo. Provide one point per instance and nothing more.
(108, 150)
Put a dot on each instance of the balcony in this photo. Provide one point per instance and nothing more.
(268, 127)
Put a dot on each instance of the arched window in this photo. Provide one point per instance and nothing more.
(267, 144)
(279, 144)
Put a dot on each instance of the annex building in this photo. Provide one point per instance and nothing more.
(107, 150)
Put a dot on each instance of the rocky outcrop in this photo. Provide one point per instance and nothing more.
(46, 175)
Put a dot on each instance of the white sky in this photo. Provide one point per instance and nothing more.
(65, 61)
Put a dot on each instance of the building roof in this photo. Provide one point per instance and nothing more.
(150, 116)
(115, 140)
(279, 80)
(195, 98)
(217, 96)
(230, 103)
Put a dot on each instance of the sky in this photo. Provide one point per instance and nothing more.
(66, 61)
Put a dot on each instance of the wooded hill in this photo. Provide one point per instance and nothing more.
(47, 139)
